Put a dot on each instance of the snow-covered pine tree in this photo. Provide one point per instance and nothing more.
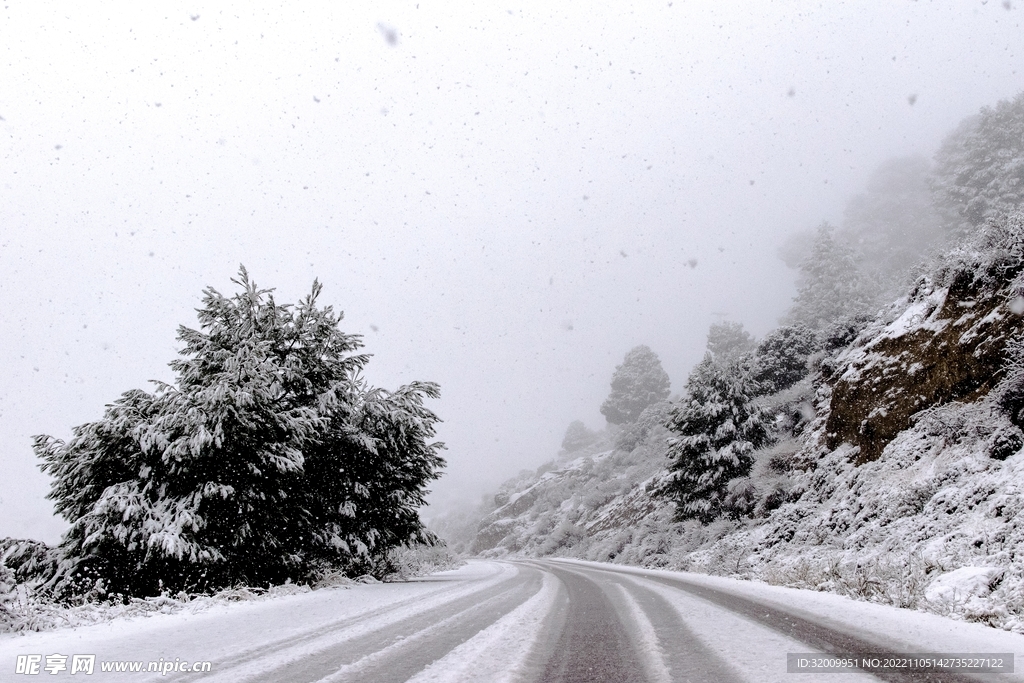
(8, 597)
(637, 383)
(718, 428)
(577, 436)
(728, 341)
(979, 170)
(892, 224)
(636, 433)
(781, 358)
(831, 287)
(269, 459)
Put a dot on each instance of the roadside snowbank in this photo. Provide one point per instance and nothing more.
(234, 630)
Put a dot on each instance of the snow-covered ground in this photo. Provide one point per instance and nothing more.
(494, 621)
(227, 633)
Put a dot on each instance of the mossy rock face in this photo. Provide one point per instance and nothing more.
(947, 346)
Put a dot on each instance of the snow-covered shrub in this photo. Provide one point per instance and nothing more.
(956, 422)
(1005, 442)
(599, 495)
(24, 566)
(8, 597)
(563, 536)
(612, 547)
(990, 257)
(981, 422)
(832, 341)
(740, 498)
(768, 485)
(31, 611)
(408, 562)
(1010, 392)
(899, 581)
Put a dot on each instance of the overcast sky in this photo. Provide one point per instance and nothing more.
(503, 198)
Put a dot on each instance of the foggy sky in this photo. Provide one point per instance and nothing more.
(502, 198)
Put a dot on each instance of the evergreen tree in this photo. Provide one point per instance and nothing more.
(636, 384)
(718, 428)
(781, 358)
(831, 286)
(893, 223)
(979, 170)
(638, 432)
(269, 459)
(577, 436)
(728, 341)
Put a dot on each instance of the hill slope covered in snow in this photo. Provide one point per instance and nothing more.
(895, 473)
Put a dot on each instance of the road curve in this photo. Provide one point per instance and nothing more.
(524, 621)
(687, 620)
(549, 621)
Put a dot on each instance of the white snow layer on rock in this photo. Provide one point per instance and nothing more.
(966, 582)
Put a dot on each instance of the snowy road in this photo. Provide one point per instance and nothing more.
(546, 621)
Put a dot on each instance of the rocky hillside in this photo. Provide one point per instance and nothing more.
(896, 472)
(946, 345)
(588, 499)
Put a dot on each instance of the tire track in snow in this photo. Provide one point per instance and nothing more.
(798, 628)
(742, 649)
(684, 654)
(593, 646)
(665, 647)
(258, 664)
(817, 636)
(502, 652)
(646, 638)
(414, 644)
